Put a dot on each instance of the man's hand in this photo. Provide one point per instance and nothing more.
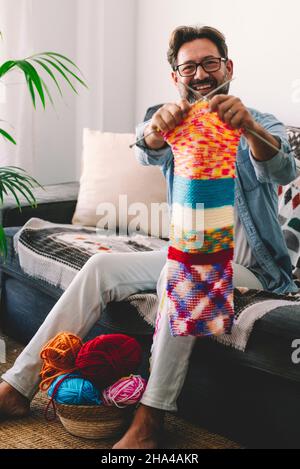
(233, 112)
(166, 118)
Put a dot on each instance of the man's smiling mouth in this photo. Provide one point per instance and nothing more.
(204, 89)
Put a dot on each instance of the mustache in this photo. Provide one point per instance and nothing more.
(207, 81)
(191, 96)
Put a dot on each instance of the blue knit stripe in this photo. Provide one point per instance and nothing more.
(211, 192)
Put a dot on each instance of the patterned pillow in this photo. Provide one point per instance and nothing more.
(294, 138)
(289, 218)
(289, 206)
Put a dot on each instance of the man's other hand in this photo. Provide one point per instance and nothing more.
(165, 119)
(232, 111)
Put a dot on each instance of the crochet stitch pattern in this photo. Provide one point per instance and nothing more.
(199, 265)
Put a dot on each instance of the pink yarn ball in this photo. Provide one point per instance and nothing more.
(126, 391)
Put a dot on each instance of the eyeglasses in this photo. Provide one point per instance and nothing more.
(209, 65)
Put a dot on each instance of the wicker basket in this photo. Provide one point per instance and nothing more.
(94, 422)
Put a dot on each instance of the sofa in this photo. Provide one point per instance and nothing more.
(252, 397)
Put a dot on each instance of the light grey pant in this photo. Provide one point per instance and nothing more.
(114, 277)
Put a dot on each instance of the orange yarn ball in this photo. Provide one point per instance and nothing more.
(58, 357)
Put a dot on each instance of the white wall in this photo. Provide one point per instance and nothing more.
(54, 129)
(263, 39)
(106, 53)
(99, 36)
(121, 47)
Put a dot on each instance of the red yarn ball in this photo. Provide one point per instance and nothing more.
(107, 358)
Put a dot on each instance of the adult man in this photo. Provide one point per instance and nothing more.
(200, 63)
(259, 243)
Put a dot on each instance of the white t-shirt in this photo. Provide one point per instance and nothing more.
(242, 251)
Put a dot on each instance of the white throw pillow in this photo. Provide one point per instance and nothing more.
(114, 185)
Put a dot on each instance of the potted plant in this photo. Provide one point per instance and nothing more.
(15, 180)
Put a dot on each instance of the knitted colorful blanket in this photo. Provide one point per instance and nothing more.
(199, 286)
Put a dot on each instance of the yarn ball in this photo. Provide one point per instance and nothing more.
(58, 357)
(107, 358)
(73, 389)
(126, 391)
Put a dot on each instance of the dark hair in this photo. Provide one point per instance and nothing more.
(184, 34)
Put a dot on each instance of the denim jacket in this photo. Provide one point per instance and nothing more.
(256, 199)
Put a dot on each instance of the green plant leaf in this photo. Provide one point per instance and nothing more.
(24, 189)
(22, 175)
(55, 54)
(11, 189)
(17, 186)
(3, 242)
(48, 92)
(50, 73)
(1, 194)
(20, 171)
(7, 136)
(31, 90)
(70, 71)
(62, 73)
(33, 78)
(3, 188)
(6, 186)
(11, 179)
(31, 74)
(6, 66)
(16, 178)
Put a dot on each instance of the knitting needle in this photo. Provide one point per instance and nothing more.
(264, 140)
(200, 95)
(201, 98)
(142, 138)
(205, 98)
(246, 128)
(197, 94)
(211, 93)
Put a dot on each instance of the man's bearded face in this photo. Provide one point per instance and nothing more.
(201, 82)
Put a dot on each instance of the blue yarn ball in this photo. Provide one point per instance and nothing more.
(75, 390)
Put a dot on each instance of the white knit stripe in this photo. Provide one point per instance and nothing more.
(186, 218)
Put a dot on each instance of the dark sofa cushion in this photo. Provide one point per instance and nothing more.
(11, 267)
(55, 203)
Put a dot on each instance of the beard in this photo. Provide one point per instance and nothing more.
(192, 94)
